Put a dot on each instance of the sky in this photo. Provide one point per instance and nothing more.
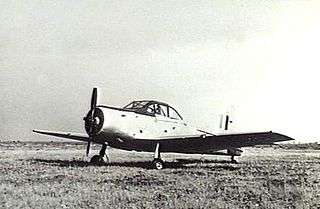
(255, 59)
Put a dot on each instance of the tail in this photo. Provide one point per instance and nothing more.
(226, 124)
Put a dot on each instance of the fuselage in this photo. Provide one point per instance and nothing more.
(124, 124)
(140, 126)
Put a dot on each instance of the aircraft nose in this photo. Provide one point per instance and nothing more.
(94, 121)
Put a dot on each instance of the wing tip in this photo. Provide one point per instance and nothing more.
(39, 131)
(283, 137)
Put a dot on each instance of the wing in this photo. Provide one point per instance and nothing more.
(209, 144)
(251, 139)
(74, 136)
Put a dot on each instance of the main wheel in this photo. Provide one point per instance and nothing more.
(97, 159)
(158, 164)
(234, 161)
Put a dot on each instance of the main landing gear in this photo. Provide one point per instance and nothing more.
(234, 152)
(233, 160)
(99, 159)
(157, 163)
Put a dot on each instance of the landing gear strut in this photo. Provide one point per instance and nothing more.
(157, 162)
(98, 159)
(233, 160)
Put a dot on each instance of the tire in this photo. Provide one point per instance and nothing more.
(158, 164)
(97, 160)
(234, 161)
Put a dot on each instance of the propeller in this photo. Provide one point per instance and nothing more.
(90, 118)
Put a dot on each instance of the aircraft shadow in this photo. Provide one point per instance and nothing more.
(179, 163)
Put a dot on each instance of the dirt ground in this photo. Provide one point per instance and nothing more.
(57, 175)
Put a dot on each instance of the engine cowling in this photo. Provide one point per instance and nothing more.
(94, 122)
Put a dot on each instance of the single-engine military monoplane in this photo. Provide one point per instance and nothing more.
(153, 126)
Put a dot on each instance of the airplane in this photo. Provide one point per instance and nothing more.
(153, 126)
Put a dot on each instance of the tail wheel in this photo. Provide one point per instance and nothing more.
(158, 164)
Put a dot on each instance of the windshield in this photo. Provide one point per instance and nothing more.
(135, 105)
(153, 108)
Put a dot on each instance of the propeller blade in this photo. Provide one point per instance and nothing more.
(89, 119)
(88, 147)
(94, 98)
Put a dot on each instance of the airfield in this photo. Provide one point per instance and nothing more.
(56, 175)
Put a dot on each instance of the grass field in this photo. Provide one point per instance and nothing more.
(55, 175)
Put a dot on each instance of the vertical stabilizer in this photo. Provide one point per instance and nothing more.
(226, 124)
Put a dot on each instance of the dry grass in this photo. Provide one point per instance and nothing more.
(41, 175)
(304, 146)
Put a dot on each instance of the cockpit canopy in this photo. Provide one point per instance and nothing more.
(153, 108)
